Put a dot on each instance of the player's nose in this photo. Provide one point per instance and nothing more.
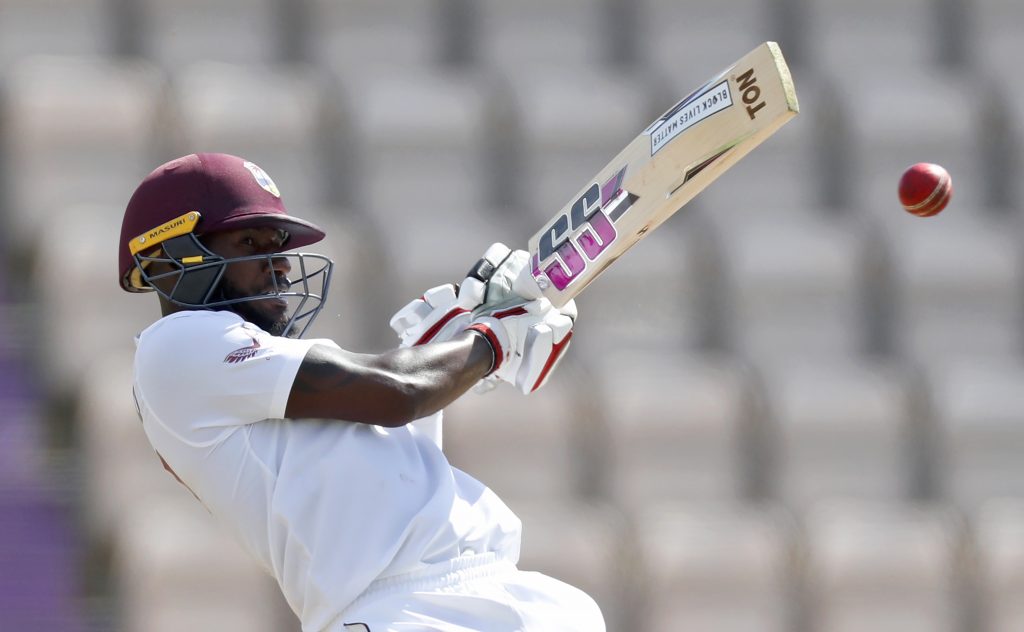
(281, 265)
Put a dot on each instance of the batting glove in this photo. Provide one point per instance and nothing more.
(439, 314)
(443, 311)
(529, 339)
(498, 269)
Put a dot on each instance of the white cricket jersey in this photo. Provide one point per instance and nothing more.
(325, 506)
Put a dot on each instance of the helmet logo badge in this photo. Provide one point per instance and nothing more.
(262, 178)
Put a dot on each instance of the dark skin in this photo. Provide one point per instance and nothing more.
(388, 389)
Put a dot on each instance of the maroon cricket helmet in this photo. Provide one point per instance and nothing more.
(227, 192)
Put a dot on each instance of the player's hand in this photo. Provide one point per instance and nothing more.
(439, 314)
(529, 338)
(498, 269)
(443, 311)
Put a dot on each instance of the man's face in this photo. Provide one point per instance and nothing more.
(255, 277)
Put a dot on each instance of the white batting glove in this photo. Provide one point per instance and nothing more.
(443, 311)
(439, 314)
(529, 338)
(498, 269)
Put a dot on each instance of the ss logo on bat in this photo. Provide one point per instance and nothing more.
(574, 238)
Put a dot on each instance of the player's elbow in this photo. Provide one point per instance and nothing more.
(402, 408)
(414, 399)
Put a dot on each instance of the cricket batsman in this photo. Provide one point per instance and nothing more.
(326, 465)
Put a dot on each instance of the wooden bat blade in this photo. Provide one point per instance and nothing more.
(670, 162)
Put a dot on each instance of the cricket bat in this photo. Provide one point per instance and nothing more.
(672, 160)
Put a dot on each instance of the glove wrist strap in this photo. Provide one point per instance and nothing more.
(492, 340)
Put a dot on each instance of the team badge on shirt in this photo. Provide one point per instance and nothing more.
(262, 178)
(243, 354)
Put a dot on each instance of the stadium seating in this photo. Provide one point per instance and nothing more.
(572, 122)
(884, 567)
(178, 569)
(976, 409)
(849, 38)
(121, 469)
(839, 429)
(635, 305)
(572, 34)
(38, 550)
(386, 34)
(72, 27)
(677, 429)
(714, 567)
(491, 434)
(79, 297)
(954, 287)
(421, 139)
(672, 32)
(82, 129)
(275, 116)
(355, 315)
(895, 120)
(793, 285)
(994, 35)
(1008, 140)
(185, 31)
(997, 534)
(458, 238)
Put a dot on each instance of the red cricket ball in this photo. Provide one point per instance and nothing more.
(925, 189)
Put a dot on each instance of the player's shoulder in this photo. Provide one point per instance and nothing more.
(189, 329)
(191, 321)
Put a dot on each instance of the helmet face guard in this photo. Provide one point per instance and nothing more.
(198, 274)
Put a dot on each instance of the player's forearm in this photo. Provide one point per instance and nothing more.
(390, 389)
(437, 374)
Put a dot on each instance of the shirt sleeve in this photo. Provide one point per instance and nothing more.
(212, 370)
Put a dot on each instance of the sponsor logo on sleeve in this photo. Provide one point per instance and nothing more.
(244, 353)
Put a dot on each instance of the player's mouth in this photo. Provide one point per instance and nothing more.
(279, 287)
(278, 304)
(273, 294)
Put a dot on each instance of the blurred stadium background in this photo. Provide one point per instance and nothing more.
(794, 408)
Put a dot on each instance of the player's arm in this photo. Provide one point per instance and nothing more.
(389, 389)
(517, 341)
(437, 361)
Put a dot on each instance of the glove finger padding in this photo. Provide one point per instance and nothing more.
(441, 312)
(438, 315)
(546, 344)
(499, 268)
(499, 287)
(529, 339)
